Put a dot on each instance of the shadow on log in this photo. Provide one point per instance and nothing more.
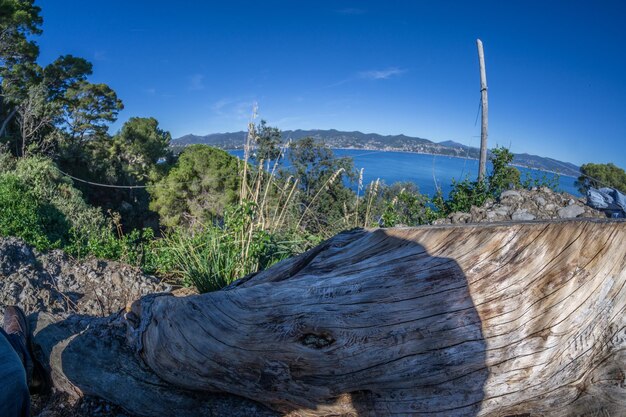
(482, 320)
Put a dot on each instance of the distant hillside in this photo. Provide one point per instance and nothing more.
(372, 141)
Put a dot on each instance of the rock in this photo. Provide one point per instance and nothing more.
(502, 211)
(510, 197)
(116, 279)
(540, 201)
(522, 215)
(571, 211)
(54, 283)
(523, 205)
(460, 217)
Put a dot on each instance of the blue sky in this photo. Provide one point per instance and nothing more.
(556, 70)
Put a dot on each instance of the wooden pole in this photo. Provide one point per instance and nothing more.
(482, 165)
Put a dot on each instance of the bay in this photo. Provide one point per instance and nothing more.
(428, 171)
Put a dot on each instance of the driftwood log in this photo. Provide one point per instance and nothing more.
(523, 319)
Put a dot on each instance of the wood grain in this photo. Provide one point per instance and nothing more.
(481, 320)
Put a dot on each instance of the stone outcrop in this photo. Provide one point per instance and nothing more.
(53, 282)
(524, 205)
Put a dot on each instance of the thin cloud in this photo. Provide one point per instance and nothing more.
(384, 74)
(196, 82)
(233, 108)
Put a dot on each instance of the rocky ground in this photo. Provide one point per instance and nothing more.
(53, 282)
(521, 205)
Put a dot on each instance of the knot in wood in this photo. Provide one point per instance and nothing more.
(316, 341)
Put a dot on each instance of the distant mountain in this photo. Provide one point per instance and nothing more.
(372, 141)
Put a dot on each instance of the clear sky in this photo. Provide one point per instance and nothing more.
(556, 70)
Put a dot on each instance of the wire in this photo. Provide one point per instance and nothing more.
(103, 185)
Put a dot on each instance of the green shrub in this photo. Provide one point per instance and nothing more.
(546, 180)
(198, 188)
(601, 175)
(133, 248)
(23, 215)
(502, 176)
(48, 186)
(467, 193)
(212, 257)
(400, 203)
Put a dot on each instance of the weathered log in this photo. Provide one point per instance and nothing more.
(481, 320)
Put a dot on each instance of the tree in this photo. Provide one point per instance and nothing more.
(88, 109)
(268, 140)
(64, 73)
(129, 158)
(324, 199)
(601, 175)
(136, 149)
(19, 19)
(36, 117)
(503, 176)
(58, 96)
(198, 188)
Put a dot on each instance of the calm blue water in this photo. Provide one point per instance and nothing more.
(423, 169)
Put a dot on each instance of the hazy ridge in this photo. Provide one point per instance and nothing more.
(373, 141)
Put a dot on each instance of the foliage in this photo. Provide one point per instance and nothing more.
(135, 248)
(467, 193)
(546, 180)
(88, 108)
(7, 161)
(130, 158)
(136, 149)
(19, 19)
(23, 215)
(49, 186)
(601, 175)
(404, 205)
(324, 200)
(216, 255)
(268, 140)
(502, 176)
(196, 190)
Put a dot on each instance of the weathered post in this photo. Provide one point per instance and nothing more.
(482, 165)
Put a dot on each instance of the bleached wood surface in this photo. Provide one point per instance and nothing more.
(483, 320)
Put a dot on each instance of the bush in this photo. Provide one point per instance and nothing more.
(48, 186)
(467, 193)
(198, 188)
(217, 254)
(601, 175)
(400, 203)
(23, 215)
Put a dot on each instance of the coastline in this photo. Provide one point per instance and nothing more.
(453, 156)
(438, 154)
(448, 156)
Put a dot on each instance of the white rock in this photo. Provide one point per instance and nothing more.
(571, 211)
(522, 215)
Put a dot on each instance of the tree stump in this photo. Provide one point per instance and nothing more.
(473, 320)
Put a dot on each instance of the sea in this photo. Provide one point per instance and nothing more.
(429, 172)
